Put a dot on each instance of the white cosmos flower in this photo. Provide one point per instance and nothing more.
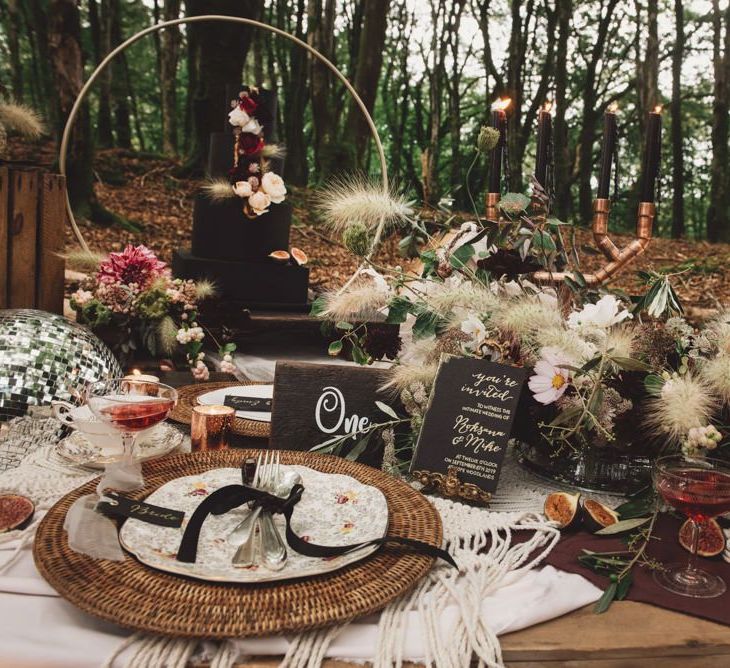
(474, 327)
(605, 313)
(239, 118)
(243, 189)
(551, 378)
(259, 202)
(274, 187)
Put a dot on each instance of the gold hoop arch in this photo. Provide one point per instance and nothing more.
(63, 149)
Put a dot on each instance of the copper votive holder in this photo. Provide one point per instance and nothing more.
(209, 427)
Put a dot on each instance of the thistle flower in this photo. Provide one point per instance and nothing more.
(167, 335)
(356, 238)
(716, 372)
(218, 190)
(685, 402)
(349, 200)
(488, 138)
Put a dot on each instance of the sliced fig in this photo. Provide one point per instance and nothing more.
(597, 516)
(16, 512)
(280, 256)
(711, 541)
(298, 256)
(564, 509)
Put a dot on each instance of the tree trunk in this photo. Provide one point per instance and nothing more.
(367, 73)
(718, 216)
(320, 35)
(676, 112)
(217, 53)
(99, 25)
(64, 31)
(563, 166)
(169, 51)
(13, 33)
(118, 89)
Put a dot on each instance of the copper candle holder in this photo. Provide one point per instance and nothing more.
(209, 427)
(617, 258)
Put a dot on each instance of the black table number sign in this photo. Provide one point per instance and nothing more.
(314, 403)
(469, 419)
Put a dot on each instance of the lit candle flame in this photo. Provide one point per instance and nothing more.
(547, 106)
(612, 108)
(658, 109)
(501, 104)
(136, 372)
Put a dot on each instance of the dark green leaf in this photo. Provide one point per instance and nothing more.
(604, 603)
(653, 384)
(624, 584)
(359, 447)
(398, 310)
(461, 255)
(346, 326)
(335, 348)
(630, 364)
(319, 306)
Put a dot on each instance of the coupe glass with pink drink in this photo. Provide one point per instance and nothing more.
(700, 489)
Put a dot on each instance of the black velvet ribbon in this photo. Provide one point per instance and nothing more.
(229, 497)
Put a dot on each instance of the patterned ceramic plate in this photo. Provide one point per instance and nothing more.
(159, 442)
(334, 510)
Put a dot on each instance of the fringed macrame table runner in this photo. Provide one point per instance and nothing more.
(494, 548)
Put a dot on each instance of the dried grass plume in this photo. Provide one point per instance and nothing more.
(83, 261)
(716, 372)
(345, 201)
(404, 376)
(274, 151)
(218, 190)
(205, 289)
(21, 119)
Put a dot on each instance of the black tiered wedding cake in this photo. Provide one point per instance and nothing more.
(241, 221)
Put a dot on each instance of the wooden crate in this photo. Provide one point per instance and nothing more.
(32, 221)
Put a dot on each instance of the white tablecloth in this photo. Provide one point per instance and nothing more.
(40, 629)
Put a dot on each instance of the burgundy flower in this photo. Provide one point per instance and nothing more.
(249, 143)
(135, 264)
(248, 104)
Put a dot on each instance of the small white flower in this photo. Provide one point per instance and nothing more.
(551, 378)
(254, 168)
(238, 117)
(243, 189)
(253, 127)
(259, 202)
(228, 367)
(200, 371)
(274, 187)
(227, 358)
(605, 313)
(82, 297)
(473, 327)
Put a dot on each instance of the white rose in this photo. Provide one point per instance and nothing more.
(253, 126)
(274, 187)
(239, 118)
(243, 189)
(259, 202)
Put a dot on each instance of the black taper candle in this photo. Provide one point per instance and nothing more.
(499, 122)
(544, 134)
(610, 135)
(652, 156)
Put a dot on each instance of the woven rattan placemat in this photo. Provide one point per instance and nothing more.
(136, 596)
(188, 397)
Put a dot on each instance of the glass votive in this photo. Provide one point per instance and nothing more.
(145, 381)
(209, 427)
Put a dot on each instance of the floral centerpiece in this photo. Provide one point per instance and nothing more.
(612, 382)
(133, 302)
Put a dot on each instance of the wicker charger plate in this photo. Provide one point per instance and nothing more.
(187, 398)
(135, 596)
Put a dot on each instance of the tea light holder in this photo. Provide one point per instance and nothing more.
(138, 377)
(209, 427)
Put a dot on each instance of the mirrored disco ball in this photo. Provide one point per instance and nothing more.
(44, 356)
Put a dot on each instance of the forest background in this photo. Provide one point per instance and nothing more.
(429, 71)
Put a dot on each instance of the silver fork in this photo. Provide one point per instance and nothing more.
(245, 555)
(240, 534)
(273, 548)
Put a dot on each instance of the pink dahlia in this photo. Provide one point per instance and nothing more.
(135, 264)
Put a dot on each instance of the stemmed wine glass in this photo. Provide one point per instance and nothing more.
(700, 489)
(130, 406)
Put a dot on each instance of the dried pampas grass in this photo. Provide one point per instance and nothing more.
(21, 119)
(524, 317)
(685, 402)
(361, 300)
(404, 376)
(355, 200)
(83, 261)
(218, 190)
(274, 151)
(167, 335)
(716, 372)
